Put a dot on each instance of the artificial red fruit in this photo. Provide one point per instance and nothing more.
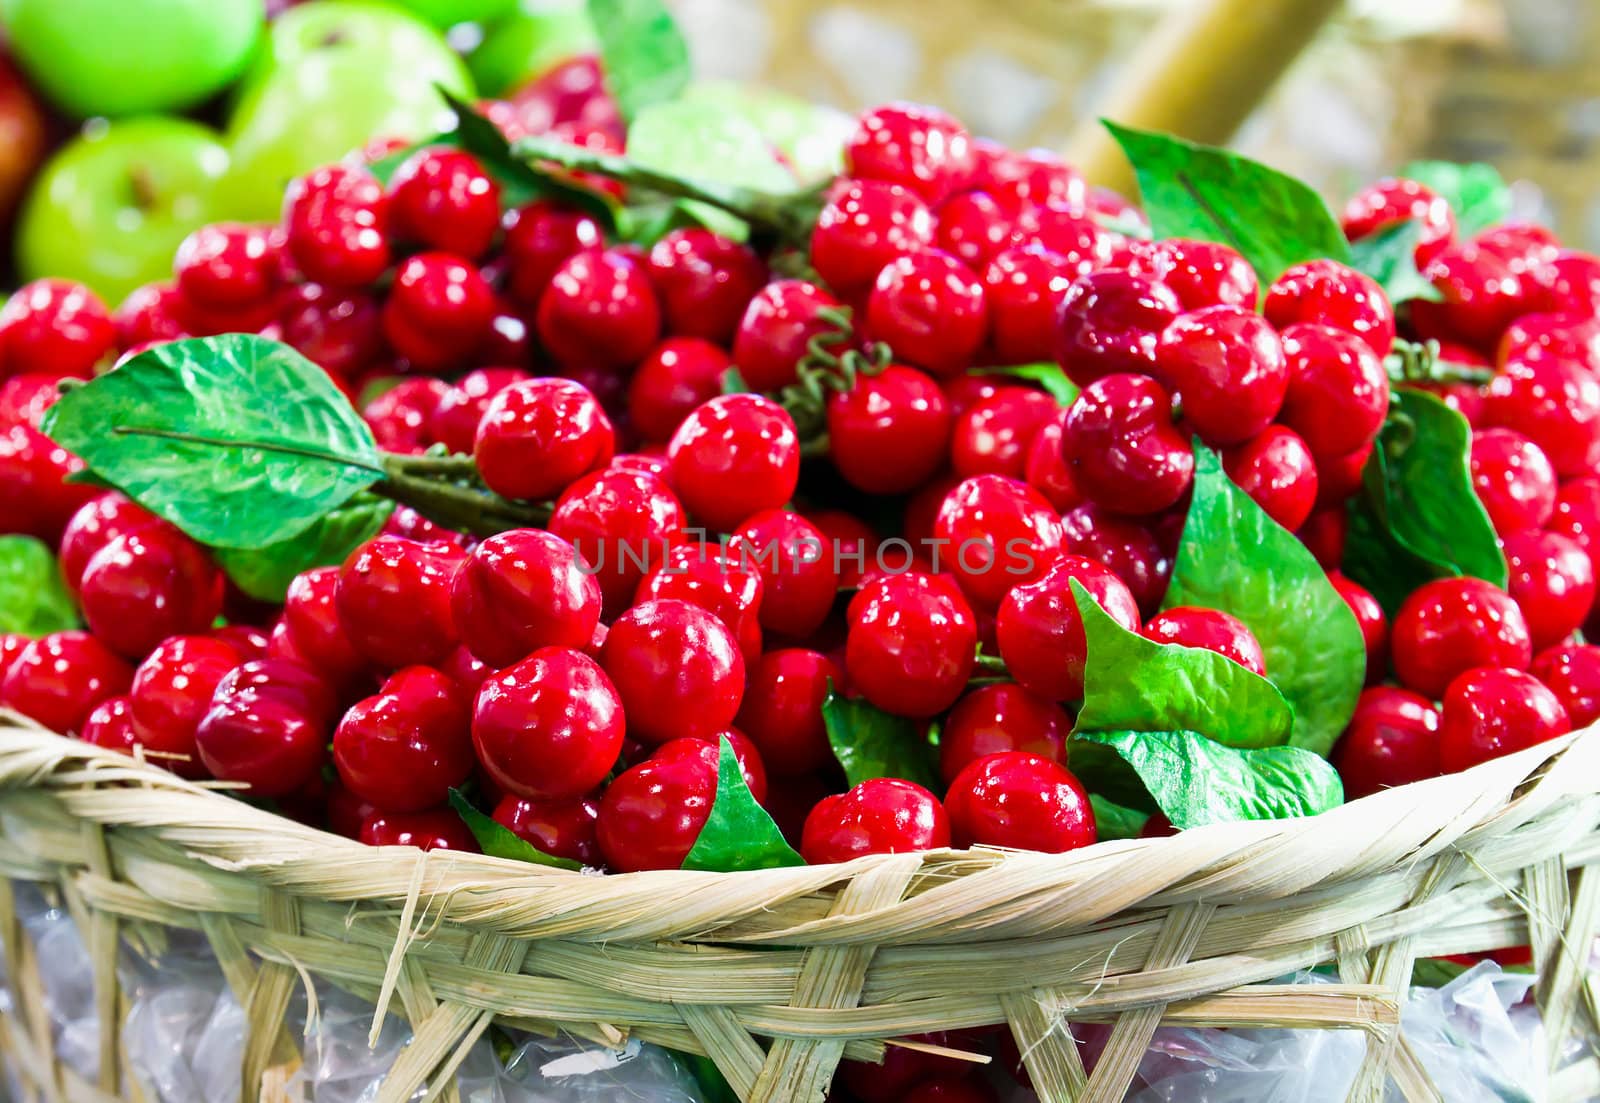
(1040, 633)
(890, 432)
(24, 398)
(110, 725)
(917, 146)
(1046, 469)
(399, 417)
(1525, 246)
(460, 408)
(798, 577)
(1003, 717)
(442, 199)
(1279, 473)
(268, 726)
(311, 622)
(600, 310)
(1129, 549)
(337, 329)
(1338, 389)
(930, 309)
(1572, 672)
(1556, 404)
(560, 828)
(708, 750)
(782, 319)
(705, 281)
(1493, 711)
(673, 379)
(880, 816)
(1577, 514)
(1552, 582)
(1023, 287)
(1392, 201)
(54, 326)
(854, 543)
(734, 456)
(1392, 739)
(1557, 336)
(1513, 479)
(971, 227)
(521, 590)
(1454, 624)
(993, 435)
(911, 644)
(94, 525)
(550, 727)
(1229, 369)
(146, 585)
(393, 599)
(721, 580)
(782, 709)
(1480, 296)
(1339, 478)
(1327, 293)
(1125, 453)
(1019, 800)
(1369, 616)
(538, 240)
(171, 693)
(407, 746)
(652, 814)
(57, 679)
(335, 226)
(1065, 230)
(151, 314)
(539, 436)
(1568, 283)
(1211, 629)
(677, 669)
(226, 266)
(438, 311)
(1025, 181)
(1109, 323)
(622, 522)
(433, 829)
(994, 533)
(1324, 534)
(865, 225)
(1200, 273)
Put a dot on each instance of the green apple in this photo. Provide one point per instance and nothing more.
(120, 57)
(447, 13)
(111, 207)
(537, 37)
(334, 74)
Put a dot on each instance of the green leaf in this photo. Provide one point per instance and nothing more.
(1113, 821)
(738, 835)
(1389, 257)
(1131, 683)
(811, 136)
(1418, 517)
(712, 143)
(498, 841)
(645, 58)
(265, 573)
(33, 599)
(1196, 781)
(869, 743)
(239, 441)
(1049, 376)
(1476, 192)
(1235, 558)
(1195, 191)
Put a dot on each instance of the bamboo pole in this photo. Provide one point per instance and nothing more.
(1199, 76)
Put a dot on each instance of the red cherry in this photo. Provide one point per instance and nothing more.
(1493, 711)
(930, 309)
(399, 416)
(890, 432)
(734, 456)
(673, 379)
(1481, 295)
(311, 622)
(1063, 229)
(1228, 365)
(1046, 469)
(1525, 246)
(919, 147)
(539, 239)
(708, 750)
(1389, 202)
(1392, 739)
(1003, 717)
(560, 828)
(622, 522)
(1556, 404)
(1024, 287)
(1338, 390)
(393, 599)
(1572, 672)
(881, 816)
(1279, 473)
(35, 497)
(1369, 616)
(404, 748)
(1024, 181)
(335, 225)
(550, 727)
(972, 227)
(149, 584)
(1129, 549)
(57, 679)
(780, 322)
(522, 590)
(993, 435)
(1124, 451)
(455, 417)
(268, 726)
(171, 693)
(1552, 581)
(228, 266)
(705, 282)
(996, 534)
(1339, 478)
(1201, 274)
(24, 399)
(435, 829)
(442, 199)
(599, 309)
(1324, 534)
(1568, 283)
(94, 525)
(677, 669)
(1019, 800)
(151, 314)
(1577, 515)
(339, 330)
(911, 644)
(539, 436)
(1110, 322)
(1327, 293)
(54, 326)
(1211, 629)
(1040, 633)
(1552, 336)
(722, 581)
(1513, 479)
(798, 578)
(438, 312)
(652, 814)
(110, 725)
(865, 225)
(1454, 624)
(782, 709)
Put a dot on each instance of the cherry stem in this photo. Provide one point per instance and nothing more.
(1413, 362)
(990, 664)
(823, 372)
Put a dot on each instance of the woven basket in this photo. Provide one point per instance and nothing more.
(778, 974)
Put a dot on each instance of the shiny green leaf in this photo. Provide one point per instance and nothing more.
(738, 835)
(265, 573)
(498, 841)
(869, 743)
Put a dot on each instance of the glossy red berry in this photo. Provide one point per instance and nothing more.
(1047, 470)
(781, 320)
(1552, 582)
(782, 709)
(1065, 230)
(930, 308)
(442, 199)
(336, 226)
(1392, 739)
(550, 727)
(1370, 618)
(1324, 535)
(1553, 336)
(865, 225)
(393, 599)
(1577, 514)
(404, 748)
(677, 669)
(652, 814)
(151, 314)
(705, 281)
(972, 227)
(1228, 367)
(539, 238)
(913, 145)
(599, 309)
(994, 534)
(1556, 404)
(1128, 548)
(1110, 322)
(522, 590)
(35, 497)
(268, 726)
(94, 525)
(881, 816)
(1572, 672)
(54, 326)
(1338, 390)
(311, 621)
(228, 266)
(911, 644)
(1493, 711)
(560, 828)
(433, 829)
(339, 330)
(1279, 473)
(1125, 453)
(1023, 287)
(673, 379)
(146, 585)
(57, 679)
(1040, 633)
(717, 578)
(1200, 273)
(1211, 629)
(459, 409)
(539, 436)
(1454, 624)
(110, 725)
(1568, 283)
(890, 432)
(25, 398)
(1019, 800)
(994, 435)
(400, 417)
(1513, 479)
(1024, 181)
(734, 456)
(796, 564)
(1480, 296)
(171, 693)
(1002, 717)
(1327, 293)
(708, 750)
(1392, 201)
(438, 312)
(622, 522)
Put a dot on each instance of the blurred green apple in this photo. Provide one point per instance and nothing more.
(447, 13)
(526, 43)
(334, 74)
(111, 207)
(121, 57)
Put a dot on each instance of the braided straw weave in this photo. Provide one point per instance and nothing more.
(778, 974)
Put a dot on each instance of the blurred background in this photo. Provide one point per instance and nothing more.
(212, 104)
